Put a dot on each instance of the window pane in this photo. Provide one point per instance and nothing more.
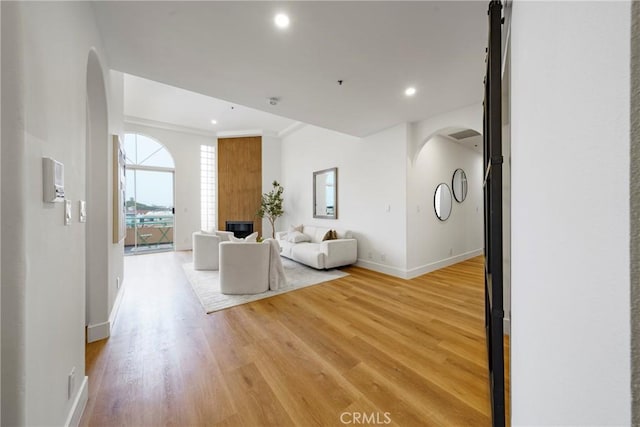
(207, 188)
(145, 148)
(154, 190)
(145, 151)
(130, 148)
(160, 158)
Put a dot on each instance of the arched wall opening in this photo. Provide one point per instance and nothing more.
(433, 243)
(97, 195)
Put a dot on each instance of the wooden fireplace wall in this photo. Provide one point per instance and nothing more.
(239, 180)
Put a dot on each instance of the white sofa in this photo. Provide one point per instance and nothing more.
(317, 253)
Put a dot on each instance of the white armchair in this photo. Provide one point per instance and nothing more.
(206, 249)
(244, 267)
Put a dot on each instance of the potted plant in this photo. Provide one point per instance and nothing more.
(271, 206)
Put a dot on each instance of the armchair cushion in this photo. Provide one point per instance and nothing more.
(244, 267)
(205, 251)
(253, 237)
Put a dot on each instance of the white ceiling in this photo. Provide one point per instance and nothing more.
(158, 102)
(232, 51)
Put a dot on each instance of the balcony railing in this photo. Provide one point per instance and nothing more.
(149, 230)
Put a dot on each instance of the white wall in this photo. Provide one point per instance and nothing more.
(271, 171)
(371, 189)
(0, 220)
(570, 330)
(13, 262)
(116, 127)
(185, 149)
(43, 307)
(431, 243)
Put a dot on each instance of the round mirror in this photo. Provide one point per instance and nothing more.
(459, 185)
(442, 202)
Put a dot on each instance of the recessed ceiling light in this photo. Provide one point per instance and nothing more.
(281, 20)
(214, 122)
(410, 91)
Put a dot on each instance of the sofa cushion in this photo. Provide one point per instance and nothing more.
(308, 253)
(320, 232)
(297, 237)
(310, 231)
(315, 233)
(285, 248)
(344, 234)
(296, 228)
(330, 235)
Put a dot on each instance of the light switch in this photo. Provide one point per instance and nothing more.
(67, 212)
(388, 208)
(82, 216)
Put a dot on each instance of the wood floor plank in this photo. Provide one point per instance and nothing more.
(366, 344)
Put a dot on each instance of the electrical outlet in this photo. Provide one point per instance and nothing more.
(71, 386)
(370, 255)
(383, 257)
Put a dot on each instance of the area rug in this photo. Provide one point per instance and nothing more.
(207, 286)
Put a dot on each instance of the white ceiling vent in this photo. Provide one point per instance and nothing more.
(464, 134)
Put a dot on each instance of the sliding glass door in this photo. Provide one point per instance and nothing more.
(150, 198)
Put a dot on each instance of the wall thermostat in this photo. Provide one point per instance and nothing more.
(52, 180)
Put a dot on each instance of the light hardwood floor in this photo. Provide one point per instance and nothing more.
(367, 343)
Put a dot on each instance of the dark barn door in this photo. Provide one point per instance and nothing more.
(493, 160)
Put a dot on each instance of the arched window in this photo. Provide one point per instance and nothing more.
(140, 150)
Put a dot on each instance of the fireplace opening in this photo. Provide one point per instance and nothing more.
(240, 229)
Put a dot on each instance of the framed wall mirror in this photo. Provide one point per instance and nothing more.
(325, 194)
(459, 185)
(442, 202)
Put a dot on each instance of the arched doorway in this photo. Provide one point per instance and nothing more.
(97, 237)
(149, 195)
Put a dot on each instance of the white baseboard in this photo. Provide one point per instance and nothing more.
(99, 331)
(418, 271)
(427, 268)
(506, 326)
(184, 246)
(381, 268)
(79, 403)
(116, 306)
